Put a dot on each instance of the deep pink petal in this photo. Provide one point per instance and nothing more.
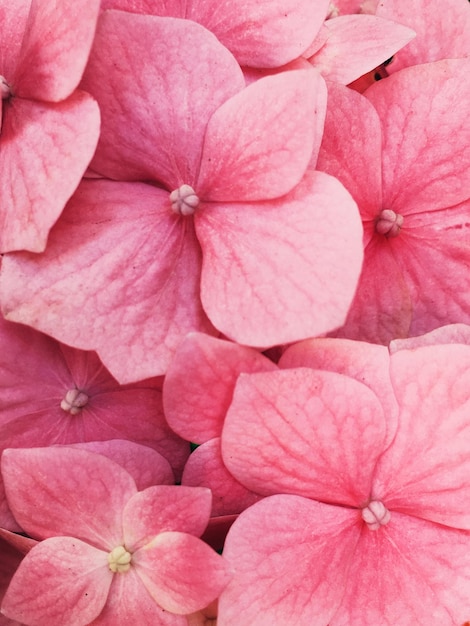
(157, 81)
(260, 34)
(63, 491)
(306, 432)
(135, 267)
(13, 18)
(441, 35)
(146, 466)
(422, 170)
(44, 151)
(291, 557)
(163, 508)
(356, 44)
(199, 384)
(425, 471)
(367, 363)
(181, 572)
(56, 44)
(129, 600)
(61, 580)
(408, 572)
(205, 468)
(382, 308)
(259, 142)
(282, 270)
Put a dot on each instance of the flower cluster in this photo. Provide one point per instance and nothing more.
(235, 330)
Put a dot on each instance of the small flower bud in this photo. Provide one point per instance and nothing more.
(389, 223)
(74, 401)
(375, 515)
(184, 200)
(119, 560)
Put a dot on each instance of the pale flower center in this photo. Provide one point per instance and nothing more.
(375, 515)
(74, 401)
(389, 223)
(184, 200)
(119, 560)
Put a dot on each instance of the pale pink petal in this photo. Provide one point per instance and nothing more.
(259, 34)
(282, 270)
(440, 34)
(367, 363)
(165, 508)
(258, 143)
(157, 81)
(129, 600)
(351, 148)
(44, 150)
(408, 572)
(146, 466)
(305, 432)
(135, 268)
(422, 170)
(61, 581)
(63, 491)
(356, 44)
(290, 557)
(205, 468)
(199, 384)
(56, 44)
(425, 472)
(452, 333)
(181, 572)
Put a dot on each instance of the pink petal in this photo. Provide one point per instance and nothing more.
(61, 580)
(452, 333)
(205, 468)
(382, 308)
(441, 35)
(283, 270)
(266, 34)
(13, 18)
(52, 59)
(146, 466)
(425, 472)
(129, 600)
(292, 431)
(153, 296)
(153, 128)
(356, 44)
(367, 363)
(163, 508)
(408, 572)
(291, 557)
(351, 148)
(63, 491)
(258, 143)
(181, 572)
(44, 150)
(420, 170)
(204, 363)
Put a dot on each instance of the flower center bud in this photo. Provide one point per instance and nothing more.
(74, 401)
(5, 89)
(389, 223)
(375, 515)
(119, 560)
(184, 200)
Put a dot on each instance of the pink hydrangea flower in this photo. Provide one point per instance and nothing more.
(233, 232)
(48, 128)
(358, 528)
(107, 548)
(61, 395)
(405, 160)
